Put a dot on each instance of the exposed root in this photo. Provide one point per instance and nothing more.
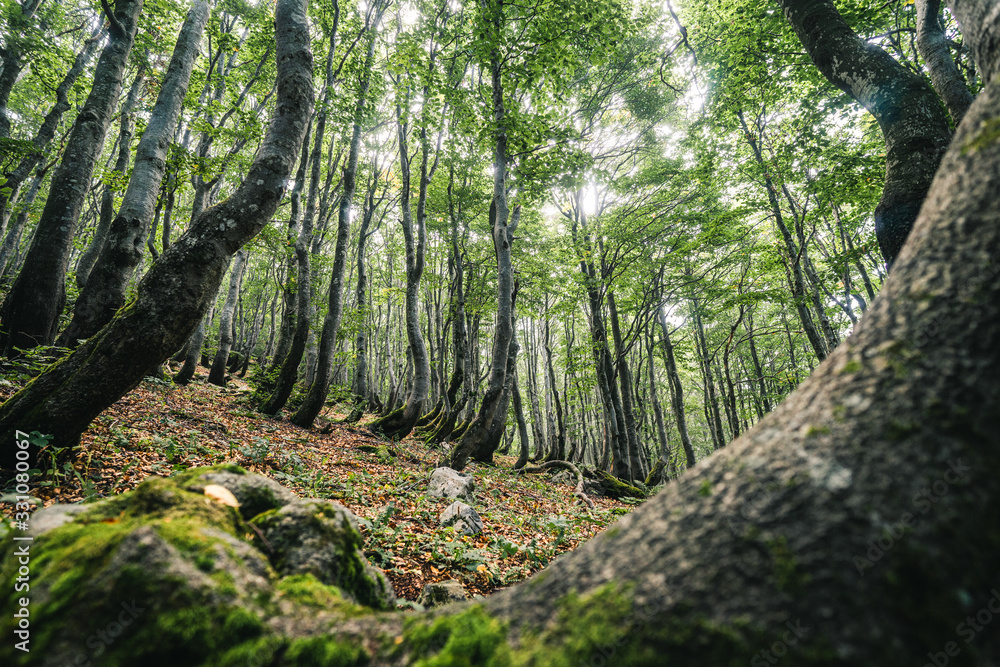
(578, 491)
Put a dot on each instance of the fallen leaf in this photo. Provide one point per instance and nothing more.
(221, 494)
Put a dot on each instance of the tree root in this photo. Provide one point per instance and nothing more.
(578, 491)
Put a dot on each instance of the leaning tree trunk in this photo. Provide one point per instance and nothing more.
(104, 291)
(30, 313)
(126, 129)
(914, 124)
(176, 292)
(217, 374)
(43, 137)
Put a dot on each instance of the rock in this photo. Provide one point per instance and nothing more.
(448, 483)
(442, 592)
(54, 516)
(464, 518)
(166, 575)
(255, 493)
(321, 538)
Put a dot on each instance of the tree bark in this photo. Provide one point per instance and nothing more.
(177, 291)
(503, 233)
(932, 44)
(217, 374)
(914, 126)
(30, 313)
(104, 291)
(316, 396)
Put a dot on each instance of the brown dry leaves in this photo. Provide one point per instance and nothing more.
(159, 428)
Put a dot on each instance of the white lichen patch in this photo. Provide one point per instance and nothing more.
(827, 472)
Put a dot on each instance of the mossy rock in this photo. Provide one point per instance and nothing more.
(321, 538)
(165, 575)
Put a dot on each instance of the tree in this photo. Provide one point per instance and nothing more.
(104, 289)
(30, 313)
(914, 125)
(175, 294)
(316, 394)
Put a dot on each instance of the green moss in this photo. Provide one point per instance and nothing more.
(324, 652)
(987, 135)
(705, 489)
(306, 590)
(471, 637)
(787, 575)
(814, 431)
(850, 366)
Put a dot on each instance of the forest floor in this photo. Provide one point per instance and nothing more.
(161, 428)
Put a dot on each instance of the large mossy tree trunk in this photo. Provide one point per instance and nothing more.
(30, 313)
(177, 291)
(914, 124)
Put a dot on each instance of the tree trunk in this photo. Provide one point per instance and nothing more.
(30, 313)
(316, 396)
(47, 130)
(126, 129)
(176, 292)
(932, 44)
(299, 321)
(503, 234)
(217, 374)
(914, 125)
(104, 291)
(676, 390)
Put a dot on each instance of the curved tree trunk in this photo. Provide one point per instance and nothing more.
(914, 126)
(177, 291)
(104, 288)
(30, 313)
